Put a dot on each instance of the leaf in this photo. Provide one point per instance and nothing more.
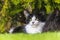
(15, 2)
(48, 8)
(57, 1)
(28, 1)
(13, 12)
(46, 1)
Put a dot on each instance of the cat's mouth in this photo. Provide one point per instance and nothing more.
(34, 25)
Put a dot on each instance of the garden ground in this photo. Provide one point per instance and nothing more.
(23, 36)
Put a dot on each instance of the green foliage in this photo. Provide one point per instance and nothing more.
(57, 1)
(48, 8)
(15, 2)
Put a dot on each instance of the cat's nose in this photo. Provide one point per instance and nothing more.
(33, 22)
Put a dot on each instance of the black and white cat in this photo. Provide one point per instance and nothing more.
(37, 23)
(34, 23)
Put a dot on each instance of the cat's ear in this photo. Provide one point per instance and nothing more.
(43, 10)
(26, 13)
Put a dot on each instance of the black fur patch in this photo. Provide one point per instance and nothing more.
(53, 21)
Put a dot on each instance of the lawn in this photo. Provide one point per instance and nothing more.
(22, 36)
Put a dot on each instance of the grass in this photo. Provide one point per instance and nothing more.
(22, 36)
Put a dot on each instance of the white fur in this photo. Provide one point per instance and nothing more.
(35, 27)
(11, 30)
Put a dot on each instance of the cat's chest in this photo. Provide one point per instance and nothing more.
(34, 28)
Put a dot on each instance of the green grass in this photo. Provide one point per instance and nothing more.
(22, 36)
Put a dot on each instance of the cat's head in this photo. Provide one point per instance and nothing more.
(35, 18)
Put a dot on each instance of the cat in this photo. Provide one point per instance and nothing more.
(34, 22)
